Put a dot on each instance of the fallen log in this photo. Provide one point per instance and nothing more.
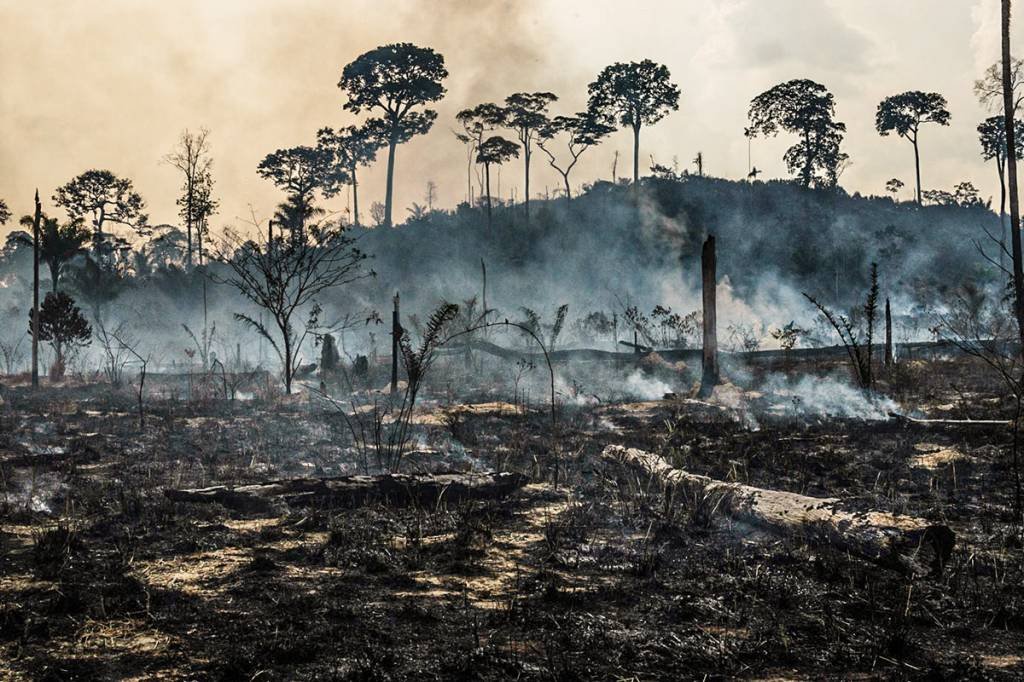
(904, 543)
(425, 490)
(991, 423)
(637, 347)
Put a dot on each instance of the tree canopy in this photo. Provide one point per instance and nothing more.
(906, 112)
(807, 109)
(102, 197)
(992, 137)
(393, 80)
(633, 95)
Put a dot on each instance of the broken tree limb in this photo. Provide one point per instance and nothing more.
(425, 490)
(914, 421)
(904, 543)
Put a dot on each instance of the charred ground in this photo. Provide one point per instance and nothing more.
(103, 577)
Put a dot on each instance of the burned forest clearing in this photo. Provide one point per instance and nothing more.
(555, 341)
(107, 572)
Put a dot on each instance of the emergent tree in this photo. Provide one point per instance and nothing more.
(526, 115)
(633, 95)
(394, 80)
(806, 109)
(102, 197)
(348, 148)
(905, 113)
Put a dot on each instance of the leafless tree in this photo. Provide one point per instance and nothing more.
(192, 158)
(284, 277)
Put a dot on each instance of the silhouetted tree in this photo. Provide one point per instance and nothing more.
(301, 172)
(905, 113)
(349, 148)
(192, 157)
(102, 197)
(204, 206)
(58, 244)
(992, 136)
(989, 88)
(5, 213)
(395, 79)
(283, 277)
(581, 132)
(893, 186)
(495, 150)
(476, 123)
(526, 114)
(633, 95)
(62, 324)
(1009, 111)
(807, 109)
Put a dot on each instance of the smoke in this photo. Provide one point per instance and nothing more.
(112, 84)
(811, 396)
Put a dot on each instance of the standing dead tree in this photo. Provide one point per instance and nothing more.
(192, 158)
(131, 346)
(284, 277)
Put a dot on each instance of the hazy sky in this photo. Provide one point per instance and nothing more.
(112, 83)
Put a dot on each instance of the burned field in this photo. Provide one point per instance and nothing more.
(603, 575)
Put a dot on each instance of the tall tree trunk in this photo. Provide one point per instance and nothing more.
(807, 159)
(355, 197)
(636, 158)
(188, 219)
(396, 333)
(526, 195)
(1011, 167)
(710, 376)
(389, 196)
(287, 360)
(37, 217)
(487, 184)
(1001, 167)
(568, 192)
(917, 169)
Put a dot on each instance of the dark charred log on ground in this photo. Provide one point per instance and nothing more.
(424, 490)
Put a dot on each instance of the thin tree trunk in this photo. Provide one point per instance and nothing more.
(636, 158)
(487, 184)
(389, 196)
(355, 197)
(35, 292)
(526, 202)
(807, 158)
(396, 331)
(188, 218)
(287, 359)
(1011, 166)
(1000, 166)
(568, 192)
(917, 169)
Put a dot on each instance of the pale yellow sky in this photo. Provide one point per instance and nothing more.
(111, 84)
